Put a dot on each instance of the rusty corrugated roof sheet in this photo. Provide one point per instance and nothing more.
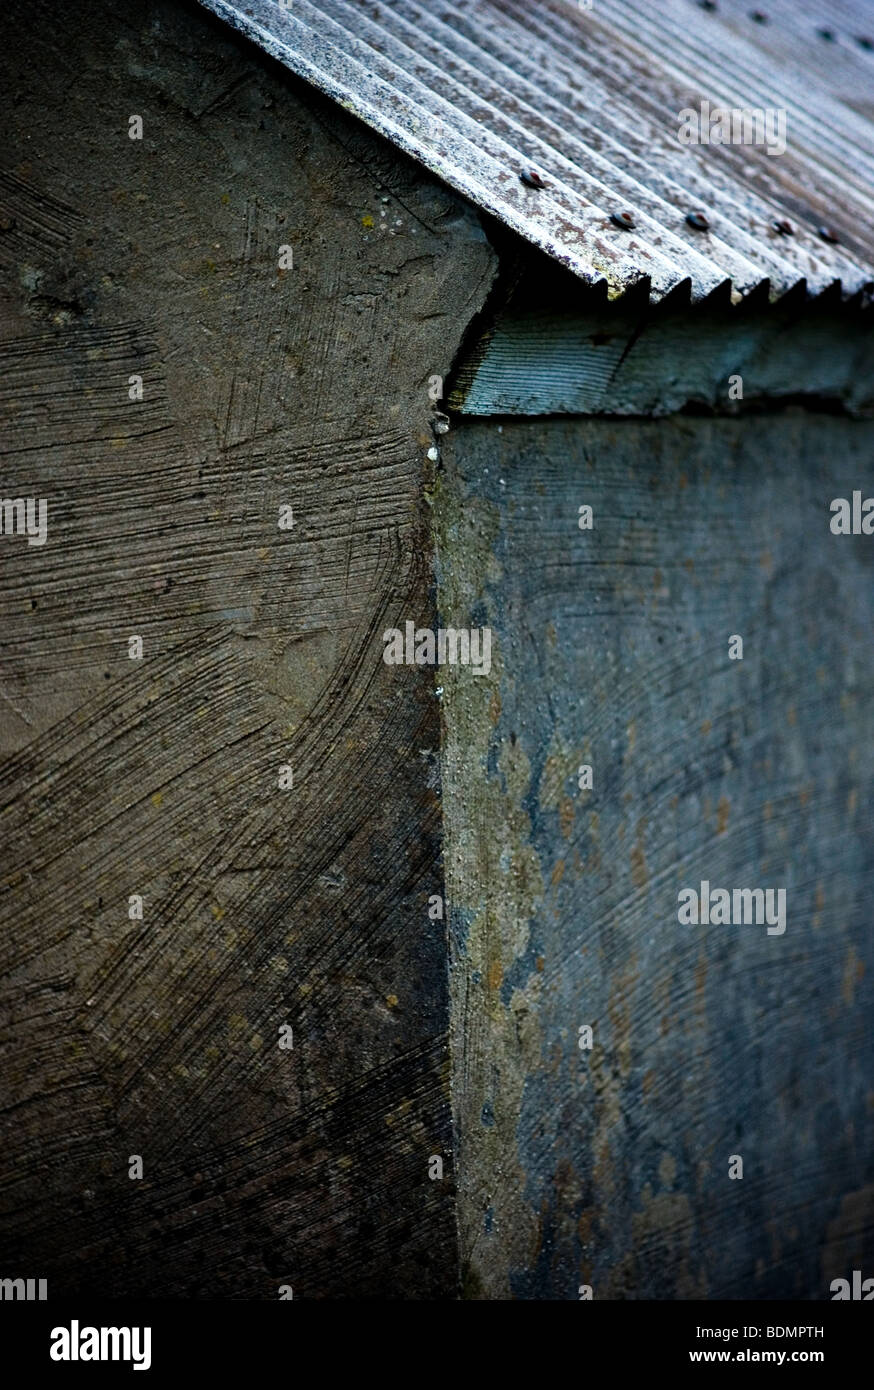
(590, 99)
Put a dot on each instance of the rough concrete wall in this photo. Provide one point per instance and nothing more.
(262, 648)
(610, 1167)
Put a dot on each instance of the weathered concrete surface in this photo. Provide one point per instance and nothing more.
(610, 1167)
(262, 648)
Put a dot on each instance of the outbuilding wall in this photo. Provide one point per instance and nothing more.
(609, 1167)
(262, 649)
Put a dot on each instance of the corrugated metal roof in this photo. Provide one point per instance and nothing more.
(590, 99)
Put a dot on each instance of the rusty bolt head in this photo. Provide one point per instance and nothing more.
(783, 227)
(623, 219)
(698, 221)
(531, 178)
(6, 223)
(828, 235)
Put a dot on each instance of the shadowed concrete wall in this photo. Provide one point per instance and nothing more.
(262, 648)
(610, 1167)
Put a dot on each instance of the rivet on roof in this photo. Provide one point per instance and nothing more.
(783, 227)
(827, 34)
(758, 17)
(698, 221)
(531, 178)
(623, 219)
(828, 235)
